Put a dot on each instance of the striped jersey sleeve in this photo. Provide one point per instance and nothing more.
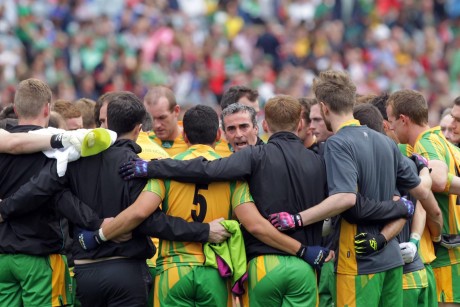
(156, 186)
(241, 194)
(433, 146)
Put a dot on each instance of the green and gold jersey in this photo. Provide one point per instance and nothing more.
(150, 149)
(172, 147)
(222, 148)
(194, 202)
(178, 145)
(433, 145)
(426, 248)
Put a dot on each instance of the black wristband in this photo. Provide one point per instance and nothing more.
(56, 141)
(98, 238)
(381, 241)
(298, 221)
(301, 251)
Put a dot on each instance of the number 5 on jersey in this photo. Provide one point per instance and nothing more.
(199, 200)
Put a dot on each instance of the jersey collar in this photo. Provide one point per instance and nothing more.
(349, 123)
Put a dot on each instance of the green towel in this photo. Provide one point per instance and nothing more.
(229, 257)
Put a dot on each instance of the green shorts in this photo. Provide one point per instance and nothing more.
(281, 280)
(191, 286)
(415, 289)
(379, 289)
(326, 287)
(432, 295)
(27, 280)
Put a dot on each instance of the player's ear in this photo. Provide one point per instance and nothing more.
(265, 126)
(218, 135)
(176, 110)
(184, 135)
(301, 125)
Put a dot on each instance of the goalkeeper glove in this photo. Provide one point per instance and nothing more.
(367, 243)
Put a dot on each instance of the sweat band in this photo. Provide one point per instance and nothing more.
(56, 141)
(101, 235)
(450, 177)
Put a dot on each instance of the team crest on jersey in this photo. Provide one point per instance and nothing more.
(167, 144)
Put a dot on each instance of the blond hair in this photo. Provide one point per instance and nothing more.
(66, 109)
(282, 113)
(335, 89)
(30, 97)
(87, 107)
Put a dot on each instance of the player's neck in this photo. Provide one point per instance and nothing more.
(41, 122)
(415, 132)
(175, 133)
(337, 120)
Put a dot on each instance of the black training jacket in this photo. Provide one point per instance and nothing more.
(40, 231)
(282, 175)
(95, 181)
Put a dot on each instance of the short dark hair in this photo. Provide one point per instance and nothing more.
(457, 101)
(237, 108)
(147, 124)
(370, 116)
(306, 104)
(234, 93)
(201, 124)
(124, 111)
(8, 112)
(380, 102)
(99, 103)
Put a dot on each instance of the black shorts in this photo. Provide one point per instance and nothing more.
(117, 282)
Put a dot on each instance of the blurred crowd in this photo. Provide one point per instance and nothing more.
(199, 48)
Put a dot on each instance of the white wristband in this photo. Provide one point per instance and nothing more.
(436, 239)
(101, 235)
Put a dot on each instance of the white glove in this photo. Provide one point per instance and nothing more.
(73, 138)
(408, 251)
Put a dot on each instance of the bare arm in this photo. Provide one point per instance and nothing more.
(393, 228)
(261, 228)
(431, 211)
(418, 220)
(131, 217)
(23, 143)
(422, 191)
(433, 215)
(331, 206)
(439, 173)
(455, 186)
